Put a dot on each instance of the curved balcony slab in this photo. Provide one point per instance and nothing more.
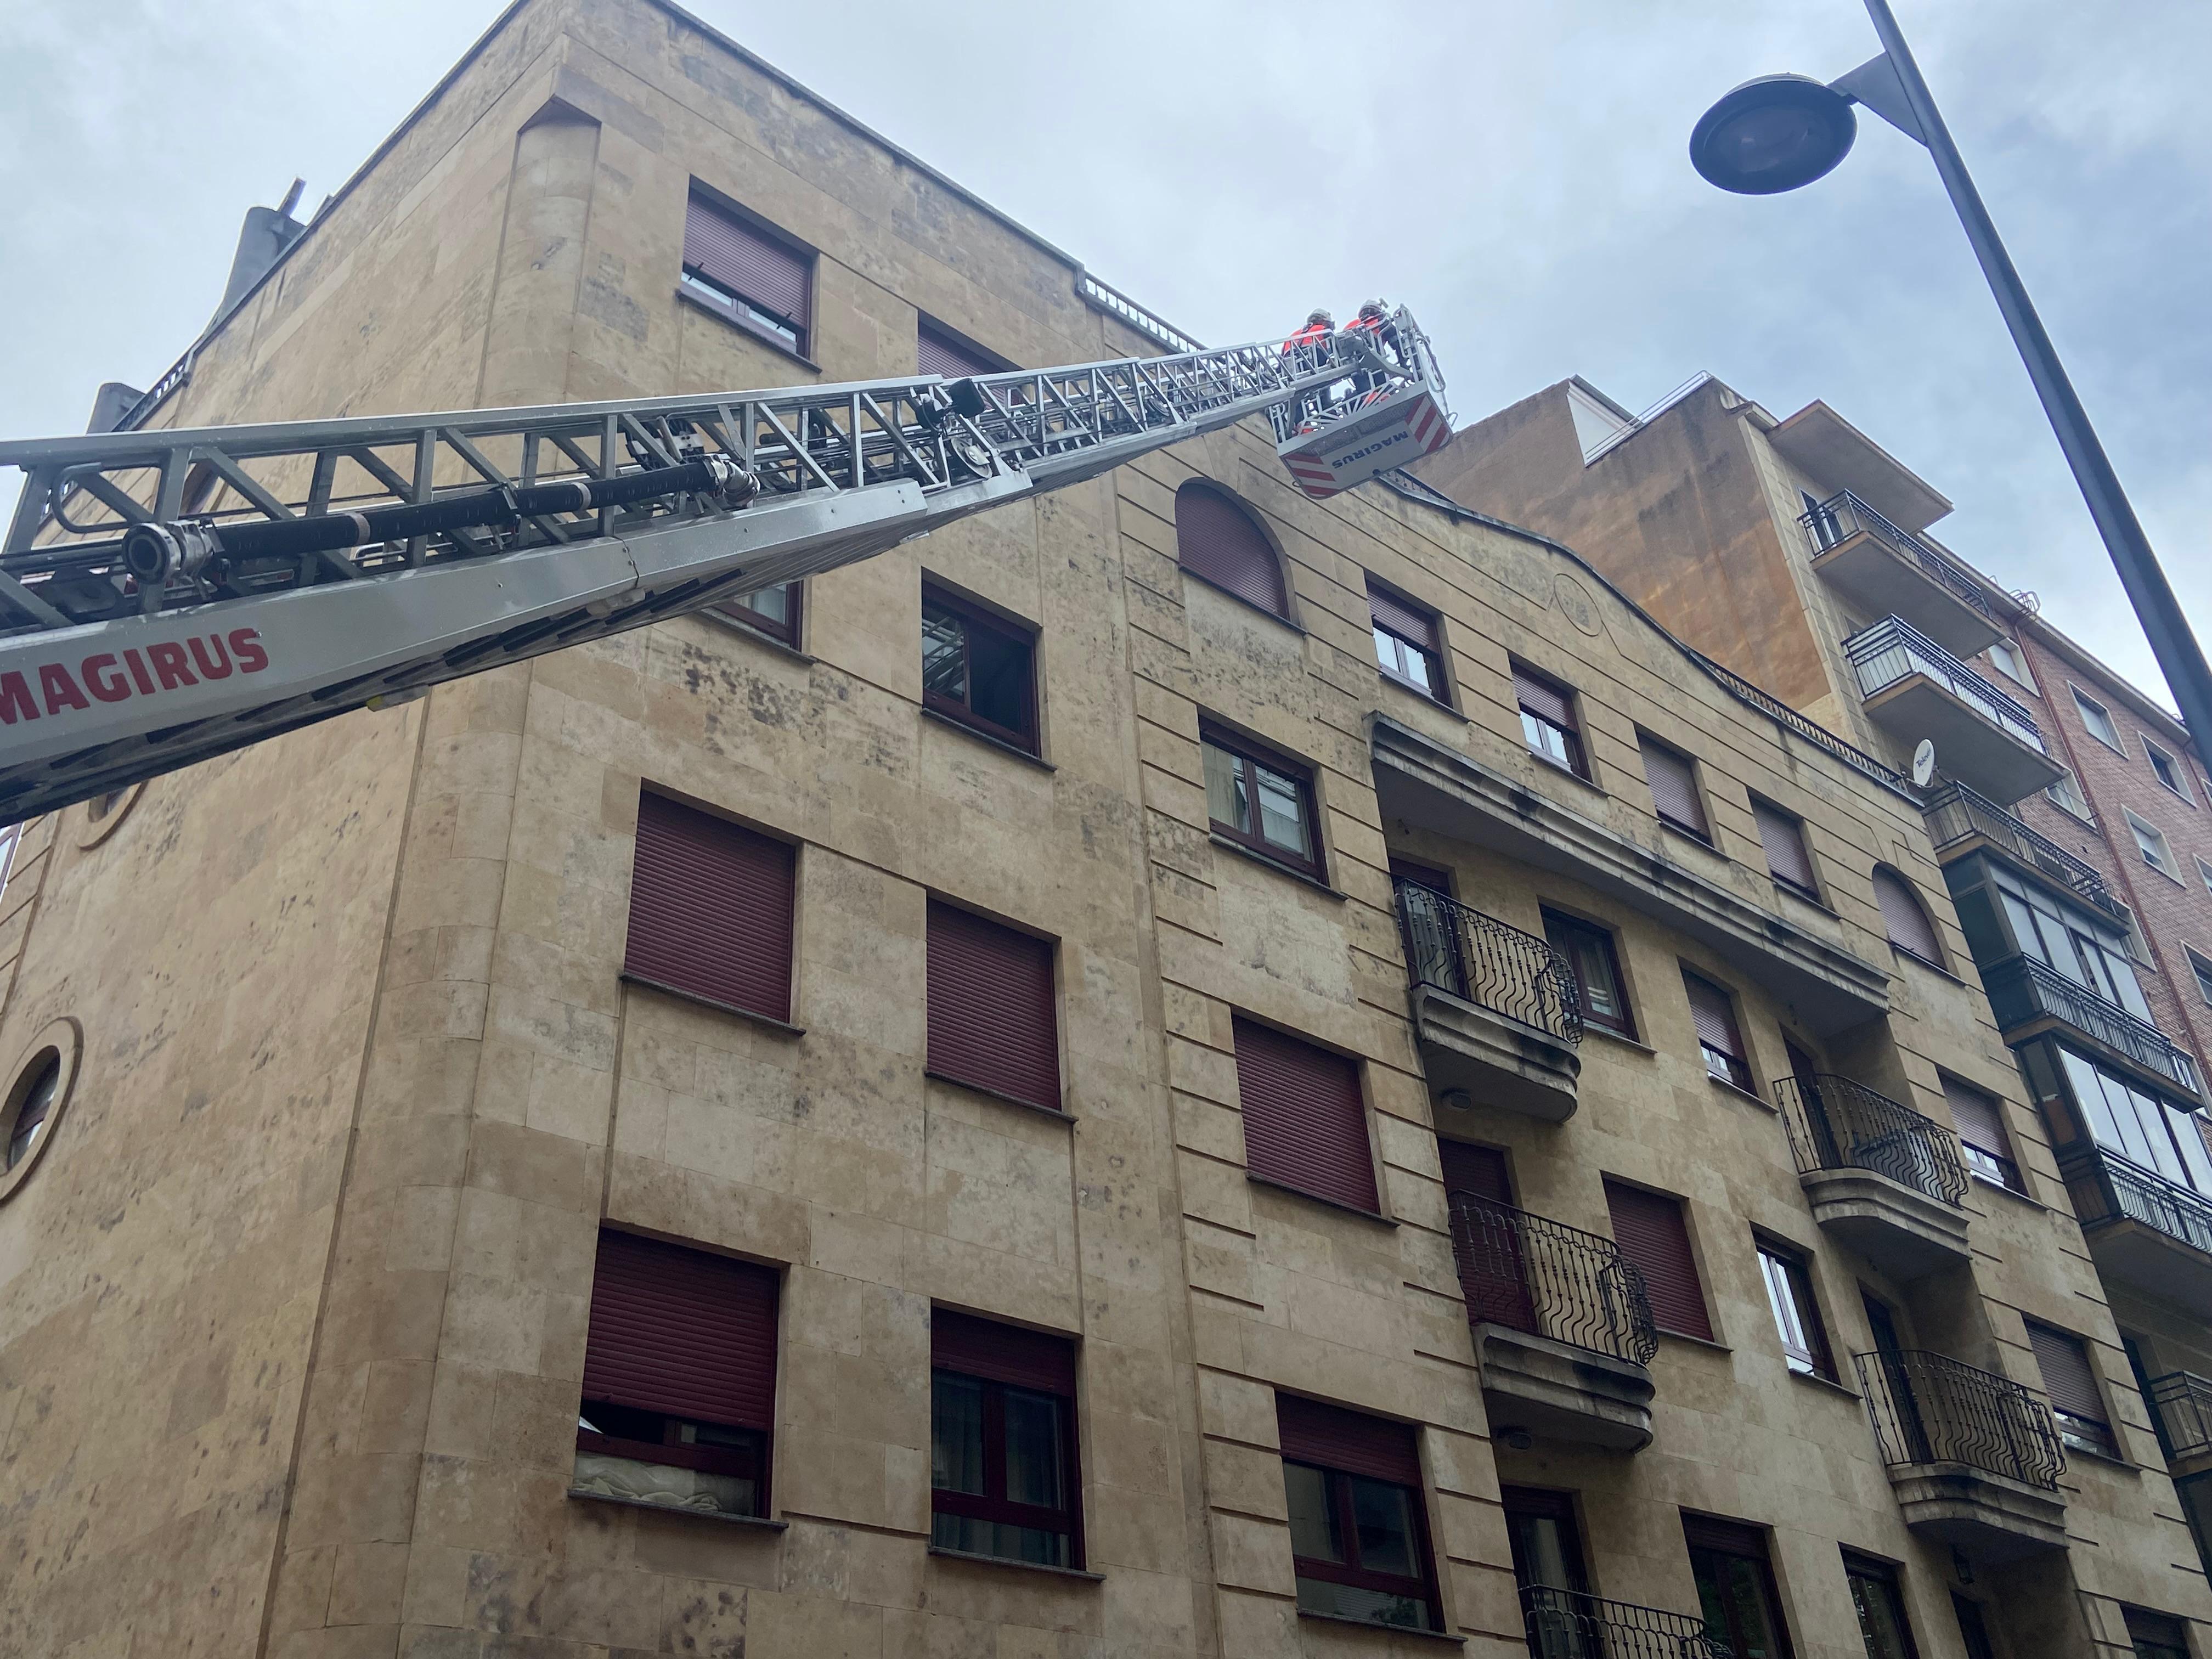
(1905, 1233)
(1496, 1059)
(1991, 1517)
(1557, 1391)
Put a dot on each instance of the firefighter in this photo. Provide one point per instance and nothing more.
(1303, 349)
(1374, 322)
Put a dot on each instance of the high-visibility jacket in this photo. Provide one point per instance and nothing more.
(1311, 335)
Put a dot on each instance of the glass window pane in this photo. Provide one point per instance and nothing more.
(944, 654)
(956, 1433)
(1375, 1607)
(1546, 738)
(2195, 1157)
(1745, 1593)
(1000, 689)
(774, 603)
(1881, 1619)
(1387, 651)
(1382, 1517)
(1225, 789)
(1782, 1297)
(1033, 1449)
(1313, 1520)
(1282, 813)
(1595, 968)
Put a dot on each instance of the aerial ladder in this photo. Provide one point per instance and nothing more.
(170, 595)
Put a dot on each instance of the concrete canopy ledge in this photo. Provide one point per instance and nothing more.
(1426, 783)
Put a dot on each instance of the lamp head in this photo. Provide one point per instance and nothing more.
(1773, 133)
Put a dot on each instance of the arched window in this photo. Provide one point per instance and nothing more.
(1217, 539)
(1905, 918)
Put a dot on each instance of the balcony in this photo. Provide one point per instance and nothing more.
(1959, 821)
(1494, 1008)
(1888, 572)
(1915, 689)
(2028, 997)
(2142, 1229)
(1568, 1624)
(1563, 1328)
(2181, 1410)
(1884, 1179)
(1974, 1458)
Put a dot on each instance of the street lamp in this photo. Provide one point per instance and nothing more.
(1783, 130)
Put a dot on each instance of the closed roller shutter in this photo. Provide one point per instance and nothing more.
(726, 250)
(1673, 788)
(1352, 1441)
(1979, 1118)
(1540, 695)
(993, 1022)
(710, 909)
(2067, 1377)
(1909, 927)
(941, 354)
(682, 1333)
(1477, 1170)
(1783, 838)
(1651, 1233)
(1407, 620)
(1488, 1247)
(1305, 1123)
(1216, 539)
(1713, 1016)
(1709, 1532)
(1001, 1353)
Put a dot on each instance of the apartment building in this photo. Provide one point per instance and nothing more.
(2068, 810)
(1176, 1070)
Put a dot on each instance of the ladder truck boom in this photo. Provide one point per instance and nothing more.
(356, 562)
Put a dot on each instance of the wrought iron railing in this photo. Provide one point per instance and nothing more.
(1843, 515)
(1956, 813)
(1529, 1273)
(1814, 733)
(2107, 1188)
(1893, 649)
(1835, 1123)
(2021, 989)
(1565, 1624)
(2181, 1411)
(1482, 960)
(1930, 1409)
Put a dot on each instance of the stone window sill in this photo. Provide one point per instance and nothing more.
(759, 1522)
(1729, 1089)
(1591, 1028)
(1276, 864)
(766, 1020)
(1378, 1626)
(760, 637)
(1249, 604)
(1687, 1340)
(1826, 1384)
(1079, 1574)
(1004, 1099)
(1315, 1198)
(1414, 689)
(699, 302)
(999, 743)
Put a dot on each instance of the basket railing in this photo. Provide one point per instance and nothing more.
(1835, 1124)
(1564, 1624)
(1930, 1409)
(1529, 1273)
(1491, 963)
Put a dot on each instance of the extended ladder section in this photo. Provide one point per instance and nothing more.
(170, 595)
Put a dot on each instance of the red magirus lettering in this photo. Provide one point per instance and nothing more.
(244, 645)
(169, 665)
(15, 699)
(59, 690)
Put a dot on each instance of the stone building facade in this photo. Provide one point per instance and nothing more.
(1435, 1200)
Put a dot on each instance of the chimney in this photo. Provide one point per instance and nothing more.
(111, 404)
(262, 241)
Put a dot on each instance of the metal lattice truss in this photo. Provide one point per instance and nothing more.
(170, 595)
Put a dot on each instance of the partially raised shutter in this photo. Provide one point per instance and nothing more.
(1408, 622)
(1001, 1353)
(1673, 788)
(993, 1022)
(1979, 1118)
(682, 1333)
(941, 354)
(726, 250)
(1709, 1532)
(710, 909)
(1305, 1122)
(1651, 1233)
(1713, 1016)
(1216, 539)
(1541, 697)
(2067, 1377)
(1352, 1441)
(1904, 916)
(1783, 838)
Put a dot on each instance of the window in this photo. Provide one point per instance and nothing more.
(1973, 1629)
(755, 277)
(1736, 1586)
(1712, 1011)
(1788, 861)
(1979, 1120)
(2155, 1635)
(710, 910)
(2078, 943)
(1904, 918)
(2204, 874)
(2202, 970)
(1796, 1315)
(11, 839)
(993, 1019)
(2150, 842)
(1649, 1229)
(1359, 1533)
(1408, 646)
(1003, 1474)
(33, 1108)
(937, 350)
(2123, 1117)
(1673, 779)
(2167, 771)
(2096, 719)
(1602, 994)
(1219, 542)
(771, 611)
(2006, 658)
(978, 670)
(1259, 801)
(1547, 1549)
(1305, 1119)
(2066, 795)
(1547, 720)
(2071, 1384)
(1827, 526)
(1879, 1602)
(679, 1378)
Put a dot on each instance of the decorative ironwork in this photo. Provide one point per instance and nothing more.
(1956, 813)
(2181, 1410)
(2107, 1188)
(1563, 1624)
(1835, 1124)
(1893, 649)
(1529, 1273)
(1490, 964)
(1930, 1409)
(2021, 989)
(1818, 736)
(1844, 515)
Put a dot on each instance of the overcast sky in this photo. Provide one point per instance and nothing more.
(1517, 174)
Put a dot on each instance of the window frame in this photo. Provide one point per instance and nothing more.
(1270, 550)
(1858, 1568)
(11, 842)
(2007, 1172)
(2173, 776)
(998, 1509)
(2143, 828)
(1603, 938)
(1736, 1071)
(1337, 1489)
(2200, 966)
(1432, 656)
(2083, 704)
(2074, 803)
(1695, 1290)
(2204, 872)
(1701, 832)
(2094, 1435)
(1910, 890)
(786, 632)
(973, 616)
(732, 305)
(951, 341)
(1787, 1274)
(1251, 756)
(1578, 762)
(2020, 674)
(1761, 809)
(655, 958)
(943, 919)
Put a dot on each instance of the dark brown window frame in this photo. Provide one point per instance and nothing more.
(786, 632)
(973, 616)
(1300, 774)
(998, 1507)
(1796, 825)
(1440, 692)
(1891, 1577)
(1337, 1484)
(1816, 1358)
(1737, 1065)
(1607, 942)
(1578, 762)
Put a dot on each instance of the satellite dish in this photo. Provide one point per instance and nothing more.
(1924, 762)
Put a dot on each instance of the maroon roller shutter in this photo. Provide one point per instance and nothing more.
(1305, 1123)
(682, 1333)
(1488, 1250)
(1216, 539)
(2067, 1377)
(1709, 1532)
(1674, 787)
(726, 250)
(710, 909)
(1901, 913)
(993, 1022)
(1477, 1170)
(1979, 1119)
(1408, 622)
(1651, 1233)
(1713, 1016)
(1001, 1353)
(1783, 838)
(1542, 696)
(939, 353)
(1352, 1441)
